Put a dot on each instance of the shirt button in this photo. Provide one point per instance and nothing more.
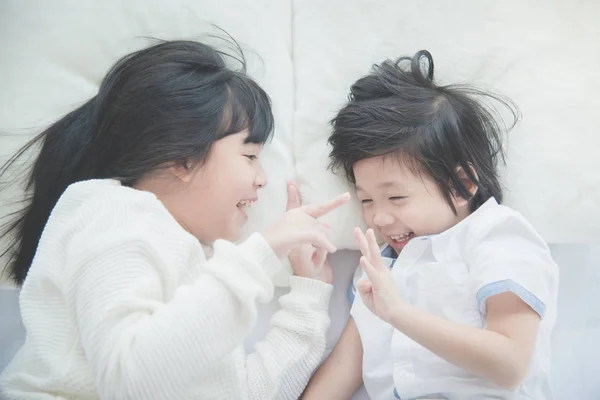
(404, 375)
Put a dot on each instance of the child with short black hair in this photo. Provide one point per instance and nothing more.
(461, 302)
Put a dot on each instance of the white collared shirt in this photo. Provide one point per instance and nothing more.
(452, 274)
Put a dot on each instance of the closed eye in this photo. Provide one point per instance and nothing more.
(250, 156)
(366, 201)
(398, 198)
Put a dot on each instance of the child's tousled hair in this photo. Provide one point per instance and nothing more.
(399, 110)
(163, 105)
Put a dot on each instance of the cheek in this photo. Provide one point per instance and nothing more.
(419, 216)
(224, 188)
(241, 174)
(213, 196)
(439, 218)
(414, 216)
(368, 216)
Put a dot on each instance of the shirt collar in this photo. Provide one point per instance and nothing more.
(441, 241)
(389, 255)
(389, 252)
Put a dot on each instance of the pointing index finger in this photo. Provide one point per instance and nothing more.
(318, 210)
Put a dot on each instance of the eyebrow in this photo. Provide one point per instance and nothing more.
(386, 184)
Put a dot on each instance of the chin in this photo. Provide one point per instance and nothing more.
(233, 234)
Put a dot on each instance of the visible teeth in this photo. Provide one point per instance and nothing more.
(245, 203)
(400, 237)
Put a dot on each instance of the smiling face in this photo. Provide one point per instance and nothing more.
(227, 184)
(210, 200)
(399, 205)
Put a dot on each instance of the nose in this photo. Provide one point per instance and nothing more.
(381, 218)
(260, 180)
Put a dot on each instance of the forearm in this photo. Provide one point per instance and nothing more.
(482, 352)
(294, 346)
(131, 334)
(341, 374)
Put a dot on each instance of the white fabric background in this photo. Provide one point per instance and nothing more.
(54, 55)
(542, 54)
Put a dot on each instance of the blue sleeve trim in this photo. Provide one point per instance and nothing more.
(396, 395)
(351, 293)
(508, 285)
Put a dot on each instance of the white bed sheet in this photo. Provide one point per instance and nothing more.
(576, 349)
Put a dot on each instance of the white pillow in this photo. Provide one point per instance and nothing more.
(540, 54)
(55, 54)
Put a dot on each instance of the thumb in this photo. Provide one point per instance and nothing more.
(293, 196)
(319, 257)
(364, 287)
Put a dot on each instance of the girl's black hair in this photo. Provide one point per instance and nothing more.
(399, 110)
(159, 106)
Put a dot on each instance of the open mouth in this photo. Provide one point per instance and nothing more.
(402, 239)
(244, 206)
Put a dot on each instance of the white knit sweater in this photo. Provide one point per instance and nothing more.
(121, 303)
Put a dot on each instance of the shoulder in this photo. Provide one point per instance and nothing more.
(106, 195)
(103, 211)
(500, 223)
(505, 253)
(500, 238)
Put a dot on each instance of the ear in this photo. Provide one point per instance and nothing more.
(181, 170)
(467, 183)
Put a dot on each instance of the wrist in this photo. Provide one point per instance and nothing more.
(270, 238)
(400, 314)
(318, 292)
